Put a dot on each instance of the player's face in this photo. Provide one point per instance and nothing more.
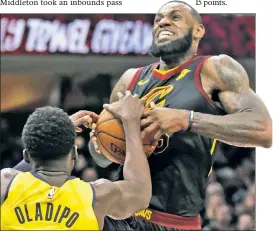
(173, 31)
(172, 22)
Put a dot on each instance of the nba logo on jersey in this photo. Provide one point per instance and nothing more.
(51, 193)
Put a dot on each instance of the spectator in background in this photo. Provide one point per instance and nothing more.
(214, 189)
(245, 222)
(223, 216)
(248, 203)
(214, 199)
(89, 175)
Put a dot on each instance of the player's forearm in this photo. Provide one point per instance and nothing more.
(136, 168)
(243, 129)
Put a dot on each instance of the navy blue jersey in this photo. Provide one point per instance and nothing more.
(181, 164)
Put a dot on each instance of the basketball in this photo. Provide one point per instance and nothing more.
(111, 138)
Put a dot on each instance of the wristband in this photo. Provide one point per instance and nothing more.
(190, 121)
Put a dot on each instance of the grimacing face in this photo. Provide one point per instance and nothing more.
(172, 22)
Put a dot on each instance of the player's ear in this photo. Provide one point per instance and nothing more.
(26, 156)
(198, 31)
(75, 152)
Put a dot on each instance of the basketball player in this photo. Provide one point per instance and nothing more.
(196, 101)
(48, 198)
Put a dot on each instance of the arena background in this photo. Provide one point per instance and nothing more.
(73, 61)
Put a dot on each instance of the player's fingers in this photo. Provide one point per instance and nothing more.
(78, 129)
(96, 147)
(120, 95)
(108, 107)
(97, 150)
(151, 129)
(94, 139)
(157, 136)
(152, 105)
(94, 126)
(144, 100)
(95, 144)
(81, 120)
(112, 109)
(88, 123)
(148, 113)
(83, 113)
(145, 122)
(127, 92)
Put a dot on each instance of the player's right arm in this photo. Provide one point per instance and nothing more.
(121, 86)
(6, 175)
(122, 199)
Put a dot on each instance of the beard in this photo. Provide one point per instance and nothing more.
(178, 46)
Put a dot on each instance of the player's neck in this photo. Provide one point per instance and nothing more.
(171, 61)
(52, 168)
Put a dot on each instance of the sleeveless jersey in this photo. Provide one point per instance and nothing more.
(181, 164)
(32, 204)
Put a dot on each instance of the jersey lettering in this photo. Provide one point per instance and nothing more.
(146, 213)
(162, 144)
(62, 214)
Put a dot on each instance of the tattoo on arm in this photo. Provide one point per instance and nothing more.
(122, 84)
(248, 123)
(231, 74)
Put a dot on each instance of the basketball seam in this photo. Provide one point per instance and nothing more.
(109, 151)
(117, 137)
(111, 135)
(107, 121)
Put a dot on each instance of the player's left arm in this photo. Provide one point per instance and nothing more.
(248, 123)
(6, 175)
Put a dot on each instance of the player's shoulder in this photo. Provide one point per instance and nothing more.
(105, 192)
(101, 183)
(127, 76)
(130, 73)
(215, 64)
(217, 61)
(104, 187)
(7, 174)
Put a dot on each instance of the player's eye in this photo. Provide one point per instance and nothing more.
(176, 17)
(157, 19)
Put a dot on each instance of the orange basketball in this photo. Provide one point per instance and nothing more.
(111, 138)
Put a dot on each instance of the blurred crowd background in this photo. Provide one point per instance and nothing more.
(73, 61)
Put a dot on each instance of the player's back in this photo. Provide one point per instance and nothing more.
(33, 204)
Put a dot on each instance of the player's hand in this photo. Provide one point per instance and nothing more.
(85, 118)
(128, 108)
(162, 120)
(93, 138)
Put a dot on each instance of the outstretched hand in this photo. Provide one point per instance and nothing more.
(85, 118)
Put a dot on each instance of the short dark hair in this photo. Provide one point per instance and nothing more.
(194, 12)
(48, 134)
